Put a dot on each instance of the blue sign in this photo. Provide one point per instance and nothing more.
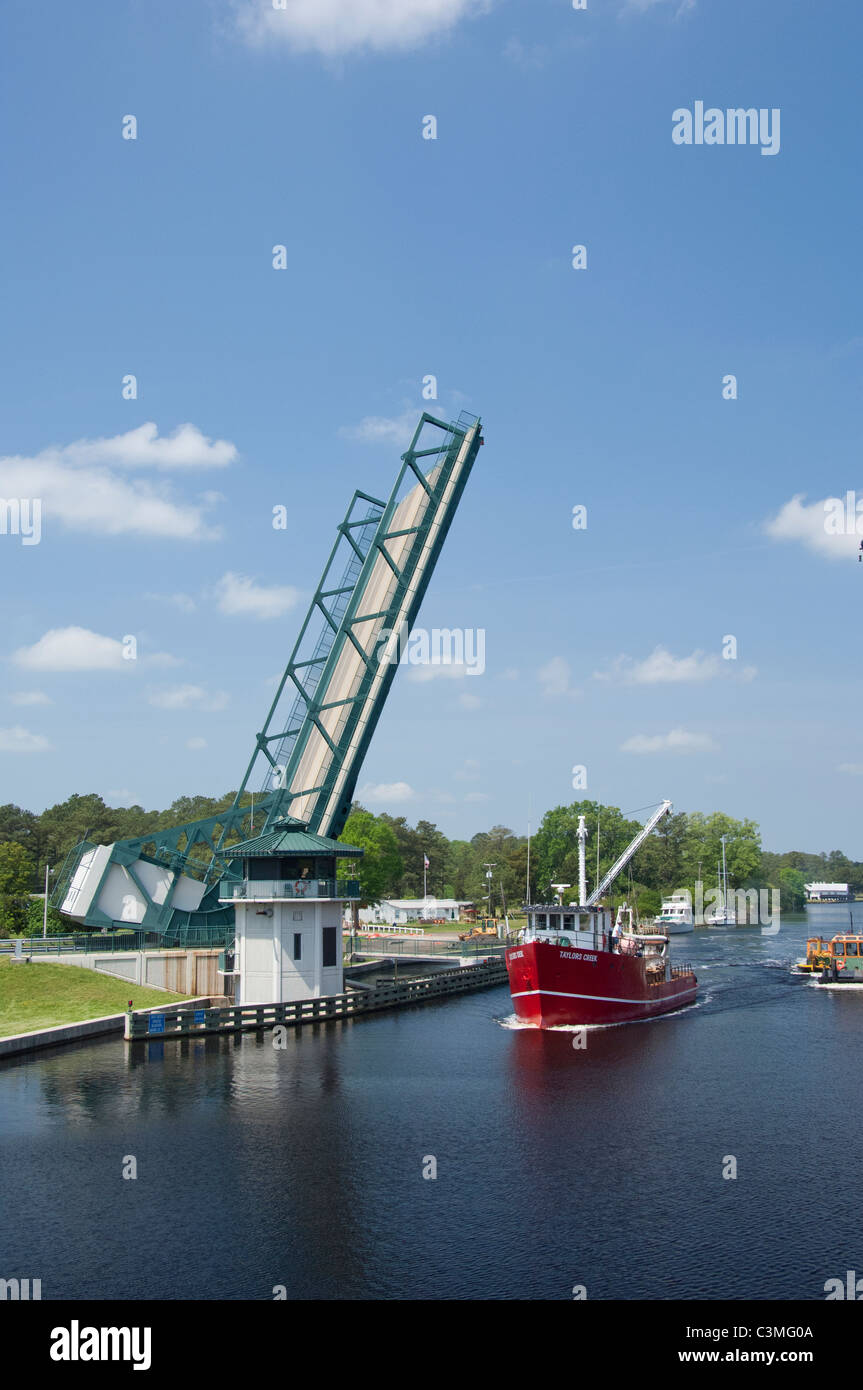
(199, 1015)
(157, 1023)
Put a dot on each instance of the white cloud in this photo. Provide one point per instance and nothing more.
(677, 741)
(554, 678)
(334, 27)
(444, 670)
(238, 595)
(188, 697)
(73, 649)
(381, 429)
(196, 743)
(187, 447)
(18, 740)
(185, 602)
(30, 697)
(642, 6)
(855, 769)
(469, 771)
(661, 667)
(798, 522)
(532, 56)
(385, 792)
(78, 489)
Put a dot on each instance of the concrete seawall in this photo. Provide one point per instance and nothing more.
(86, 1028)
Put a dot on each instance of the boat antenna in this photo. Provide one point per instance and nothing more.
(527, 876)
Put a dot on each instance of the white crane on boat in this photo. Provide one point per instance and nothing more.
(620, 863)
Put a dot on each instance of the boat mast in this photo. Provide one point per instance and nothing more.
(582, 872)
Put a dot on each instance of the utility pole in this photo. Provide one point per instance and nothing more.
(488, 875)
(45, 909)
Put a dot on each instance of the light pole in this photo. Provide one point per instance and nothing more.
(45, 909)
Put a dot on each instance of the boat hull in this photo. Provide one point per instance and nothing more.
(553, 986)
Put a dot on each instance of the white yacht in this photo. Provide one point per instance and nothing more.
(675, 916)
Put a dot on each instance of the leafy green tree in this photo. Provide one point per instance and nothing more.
(13, 915)
(792, 894)
(20, 826)
(554, 852)
(702, 846)
(381, 865)
(17, 870)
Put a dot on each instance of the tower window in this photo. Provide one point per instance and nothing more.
(298, 945)
(329, 956)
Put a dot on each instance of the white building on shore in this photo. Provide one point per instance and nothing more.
(827, 892)
(398, 912)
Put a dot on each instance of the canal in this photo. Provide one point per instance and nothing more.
(302, 1167)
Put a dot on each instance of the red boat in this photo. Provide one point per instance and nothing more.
(573, 967)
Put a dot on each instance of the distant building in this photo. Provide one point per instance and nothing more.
(397, 912)
(827, 892)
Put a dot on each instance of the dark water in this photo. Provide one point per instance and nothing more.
(556, 1167)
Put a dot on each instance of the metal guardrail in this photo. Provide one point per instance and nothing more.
(267, 889)
(179, 1023)
(418, 946)
(137, 940)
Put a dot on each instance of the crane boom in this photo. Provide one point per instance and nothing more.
(630, 850)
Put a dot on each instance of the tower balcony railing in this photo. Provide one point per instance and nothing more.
(271, 889)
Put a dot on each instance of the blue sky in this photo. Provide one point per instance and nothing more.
(452, 256)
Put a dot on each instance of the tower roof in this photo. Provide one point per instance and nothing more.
(289, 836)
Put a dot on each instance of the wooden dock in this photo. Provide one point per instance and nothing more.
(181, 1022)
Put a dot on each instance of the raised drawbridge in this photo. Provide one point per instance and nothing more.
(307, 757)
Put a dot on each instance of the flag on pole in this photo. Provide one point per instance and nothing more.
(425, 861)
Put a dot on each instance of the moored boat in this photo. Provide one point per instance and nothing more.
(722, 914)
(675, 915)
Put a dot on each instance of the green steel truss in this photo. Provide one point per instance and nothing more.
(309, 719)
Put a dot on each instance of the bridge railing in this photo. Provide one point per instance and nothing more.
(87, 943)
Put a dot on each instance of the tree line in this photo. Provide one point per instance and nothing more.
(685, 846)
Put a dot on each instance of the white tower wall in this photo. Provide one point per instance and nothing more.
(280, 950)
